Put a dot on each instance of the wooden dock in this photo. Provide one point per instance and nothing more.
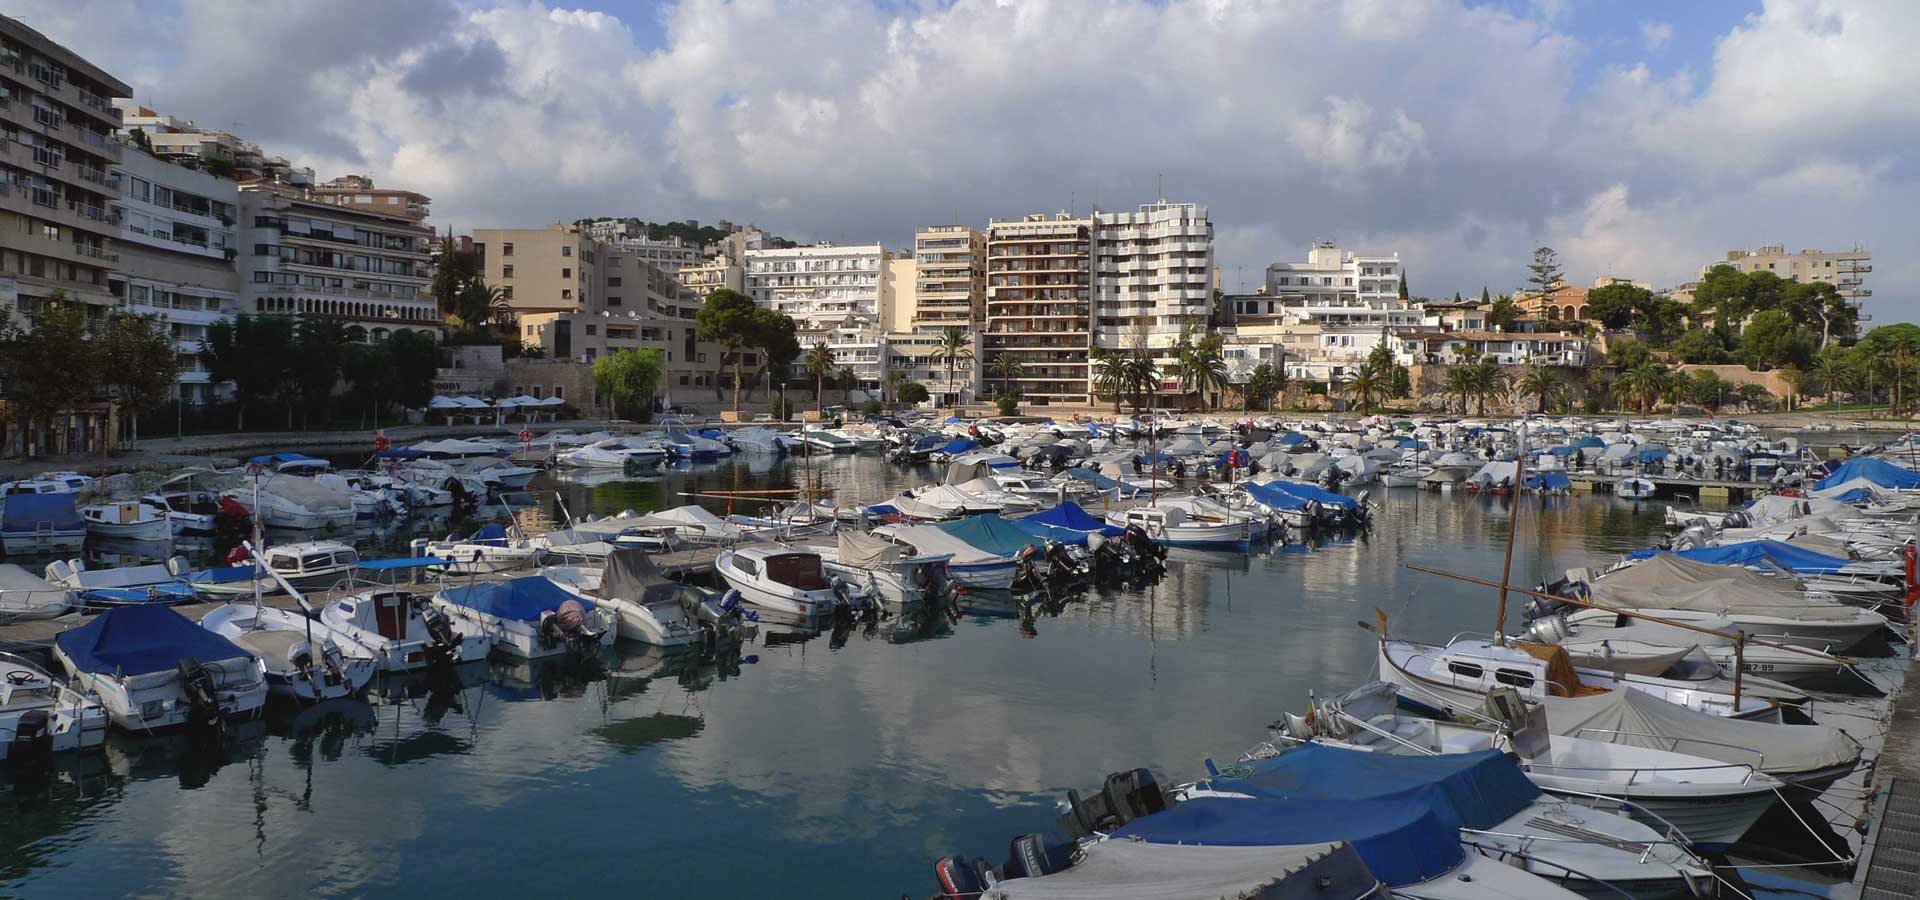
(1675, 486)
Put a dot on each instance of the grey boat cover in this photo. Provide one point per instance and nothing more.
(1639, 719)
(963, 472)
(1666, 581)
(24, 595)
(867, 551)
(631, 575)
(1137, 870)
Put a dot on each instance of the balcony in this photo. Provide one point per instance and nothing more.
(94, 254)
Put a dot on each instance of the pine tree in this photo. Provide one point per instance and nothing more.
(1545, 270)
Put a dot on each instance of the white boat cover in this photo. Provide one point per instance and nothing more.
(1138, 870)
(24, 595)
(1639, 719)
(314, 495)
(1494, 473)
(690, 516)
(929, 540)
(1774, 509)
(1666, 581)
(867, 551)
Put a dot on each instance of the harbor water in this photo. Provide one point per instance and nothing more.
(828, 764)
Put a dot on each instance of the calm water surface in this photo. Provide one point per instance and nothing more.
(814, 765)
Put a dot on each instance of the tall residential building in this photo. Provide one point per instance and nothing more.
(1038, 302)
(901, 298)
(1844, 269)
(57, 192)
(177, 244)
(311, 257)
(822, 287)
(950, 288)
(1153, 275)
(538, 269)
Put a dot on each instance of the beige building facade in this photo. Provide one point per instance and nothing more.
(950, 281)
(1039, 302)
(1846, 270)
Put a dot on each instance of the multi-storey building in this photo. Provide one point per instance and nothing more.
(950, 281)
(1153, 275)
(1331, 270)
(305, 256)
(1039, 294)
(713, 275)
(177, 246)
(57, 191)
(358, 192)
(669, 254)
(547, 269)
(918, 356)
(1846, 270)
(821, 287)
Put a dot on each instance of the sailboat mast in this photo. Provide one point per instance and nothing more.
(1513, 527)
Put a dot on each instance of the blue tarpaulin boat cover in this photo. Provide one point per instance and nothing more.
(1878, 471)
(1651, 454)
(1474, 790)
(399, 562)
(1549, 481)
(224, 575)
(1403, 843)
(1589, 442)
(1311, 492)
(1291, 438)
(1274, 497)
(27, 513)
(492, 534)
(1066, 523)
(930, 442)
(273, 458)
(166, 592)
(1091, 477)
(1755, 553)
(1562, 450)
(991, 533)
(136, 640)
(523, 599)
(959, 445)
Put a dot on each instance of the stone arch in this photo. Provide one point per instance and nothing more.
(1570, 315)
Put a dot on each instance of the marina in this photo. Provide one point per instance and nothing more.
(884, 758)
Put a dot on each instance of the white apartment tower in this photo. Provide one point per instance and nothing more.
(176, 245)
(1153, 274)
(822, 287)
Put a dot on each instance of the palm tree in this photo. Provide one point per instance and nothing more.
(848, 378)
(1142, 377)
(891, 391)
(1831, 369)
(1363, 386)
(1110, 375)
(1484, 378)
(955, 347)
(1541, 382)
(1007, 367)
(1460, 384)
(1648, 381)
(480, 304)
(819, 363)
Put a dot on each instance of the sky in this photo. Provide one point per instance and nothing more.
(1639, 139)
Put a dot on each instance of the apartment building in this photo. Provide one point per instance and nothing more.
(950, 280)
(177, 245)
(544, 270)
(1330, 270)
(1846, 270)
(669, 255)
(358, 192)
(918, 356)
(714, 274)
(57, 190)
(1153, 275)
(1039, 297)
(822, 287)
(308, 256)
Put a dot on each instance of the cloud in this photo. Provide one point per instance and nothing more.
(1461, 135)
(1656, 34)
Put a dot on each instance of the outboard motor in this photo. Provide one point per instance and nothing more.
(1548, 629)
(300, 657)
(30, 752)
(1124, 797)
(1029, 856)
(444, 641)
(203, 699)
(961, 878)
(566, 625)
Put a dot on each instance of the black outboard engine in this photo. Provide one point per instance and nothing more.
(1125, 796)
(961, 878)
(30, 752)
(1030, 856)
(444, 642)
(1146, 548)
(203, 698)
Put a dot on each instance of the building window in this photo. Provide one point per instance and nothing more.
(566, 250)
(613, 301)
(559, 392)
(566, 273)
(613, 282)
(506, 271)
(592, 328)
(566, 294)
(506, 249)
(507, 292)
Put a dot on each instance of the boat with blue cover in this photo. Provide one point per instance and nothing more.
(41, 523)
(123, 585)
(400, 628)
(152, 668)
(529, 617)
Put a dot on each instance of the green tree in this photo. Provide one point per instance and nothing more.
(1542, 383)
(727, 318)
(416, 364)
(913, 392)
(319, 348)
(372, 377)
(56, 366)
(1754, 397)
(1399, 383)
(1364, 384)
(139, 362)
(1006, 367)
(1143, 378)
(1833, 372)
(1202, 368)
(1459, 383)
(848, 380)
(478, 305)
(1266, 381)
(254, 353)
(819, 365)
(956, 347)
(452, 269)
(628, 379)
(778, 339)
(1110, 375)
(1708, 389)
(1772, 338)
(1700, 346)
(1503, 313)
(1544, 271)
(1627, 353)
(1617, 305)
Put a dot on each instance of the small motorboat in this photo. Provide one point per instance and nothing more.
(189, 511)
(123, 585)
(311, 565)
(884, 570)
(487, 551)
(651, 608)
(152, 668)
(1175, 526)
(779, 577)
(302, 660)
(1634, 489)
(33, 524)
(40, 715)
(402, 630)
(530, 617)
(25, 597)
(130, 519)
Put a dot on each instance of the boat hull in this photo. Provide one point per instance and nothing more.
(1709, 822)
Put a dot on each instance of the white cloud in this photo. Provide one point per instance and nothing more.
(1656, 34)
(1457, 134)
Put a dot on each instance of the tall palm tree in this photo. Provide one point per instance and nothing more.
(1207, 367)
(955, 348)
(1110, 375)
(1460, 384)
(1365, 384)
(890, 392)
(847, 379)
(819, 363)
(1831, 369)
(1541, 382)
(1485, 379)
(1007, 367)
(1142, 377)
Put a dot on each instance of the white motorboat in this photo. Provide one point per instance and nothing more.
(151, 668)
(120, 585)
(1460, 674)
(1634, 489)
(293, 502)
(33, 524)
(651, 608)
(190, 511)
(1604, 641)
(301, 659)
(823, 440)
(402, 631)
(530, 617)
(487, 551)
(129, 519)
(884, 570)
(968, 566)
(40, 715)
(25, 597)
(755, 439)
(1175, 526)
(1773, 609)
(1712, 803)
(311, 565)
(779, 577)
(613, 453)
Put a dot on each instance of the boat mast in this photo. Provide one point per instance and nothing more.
(1513, 527)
